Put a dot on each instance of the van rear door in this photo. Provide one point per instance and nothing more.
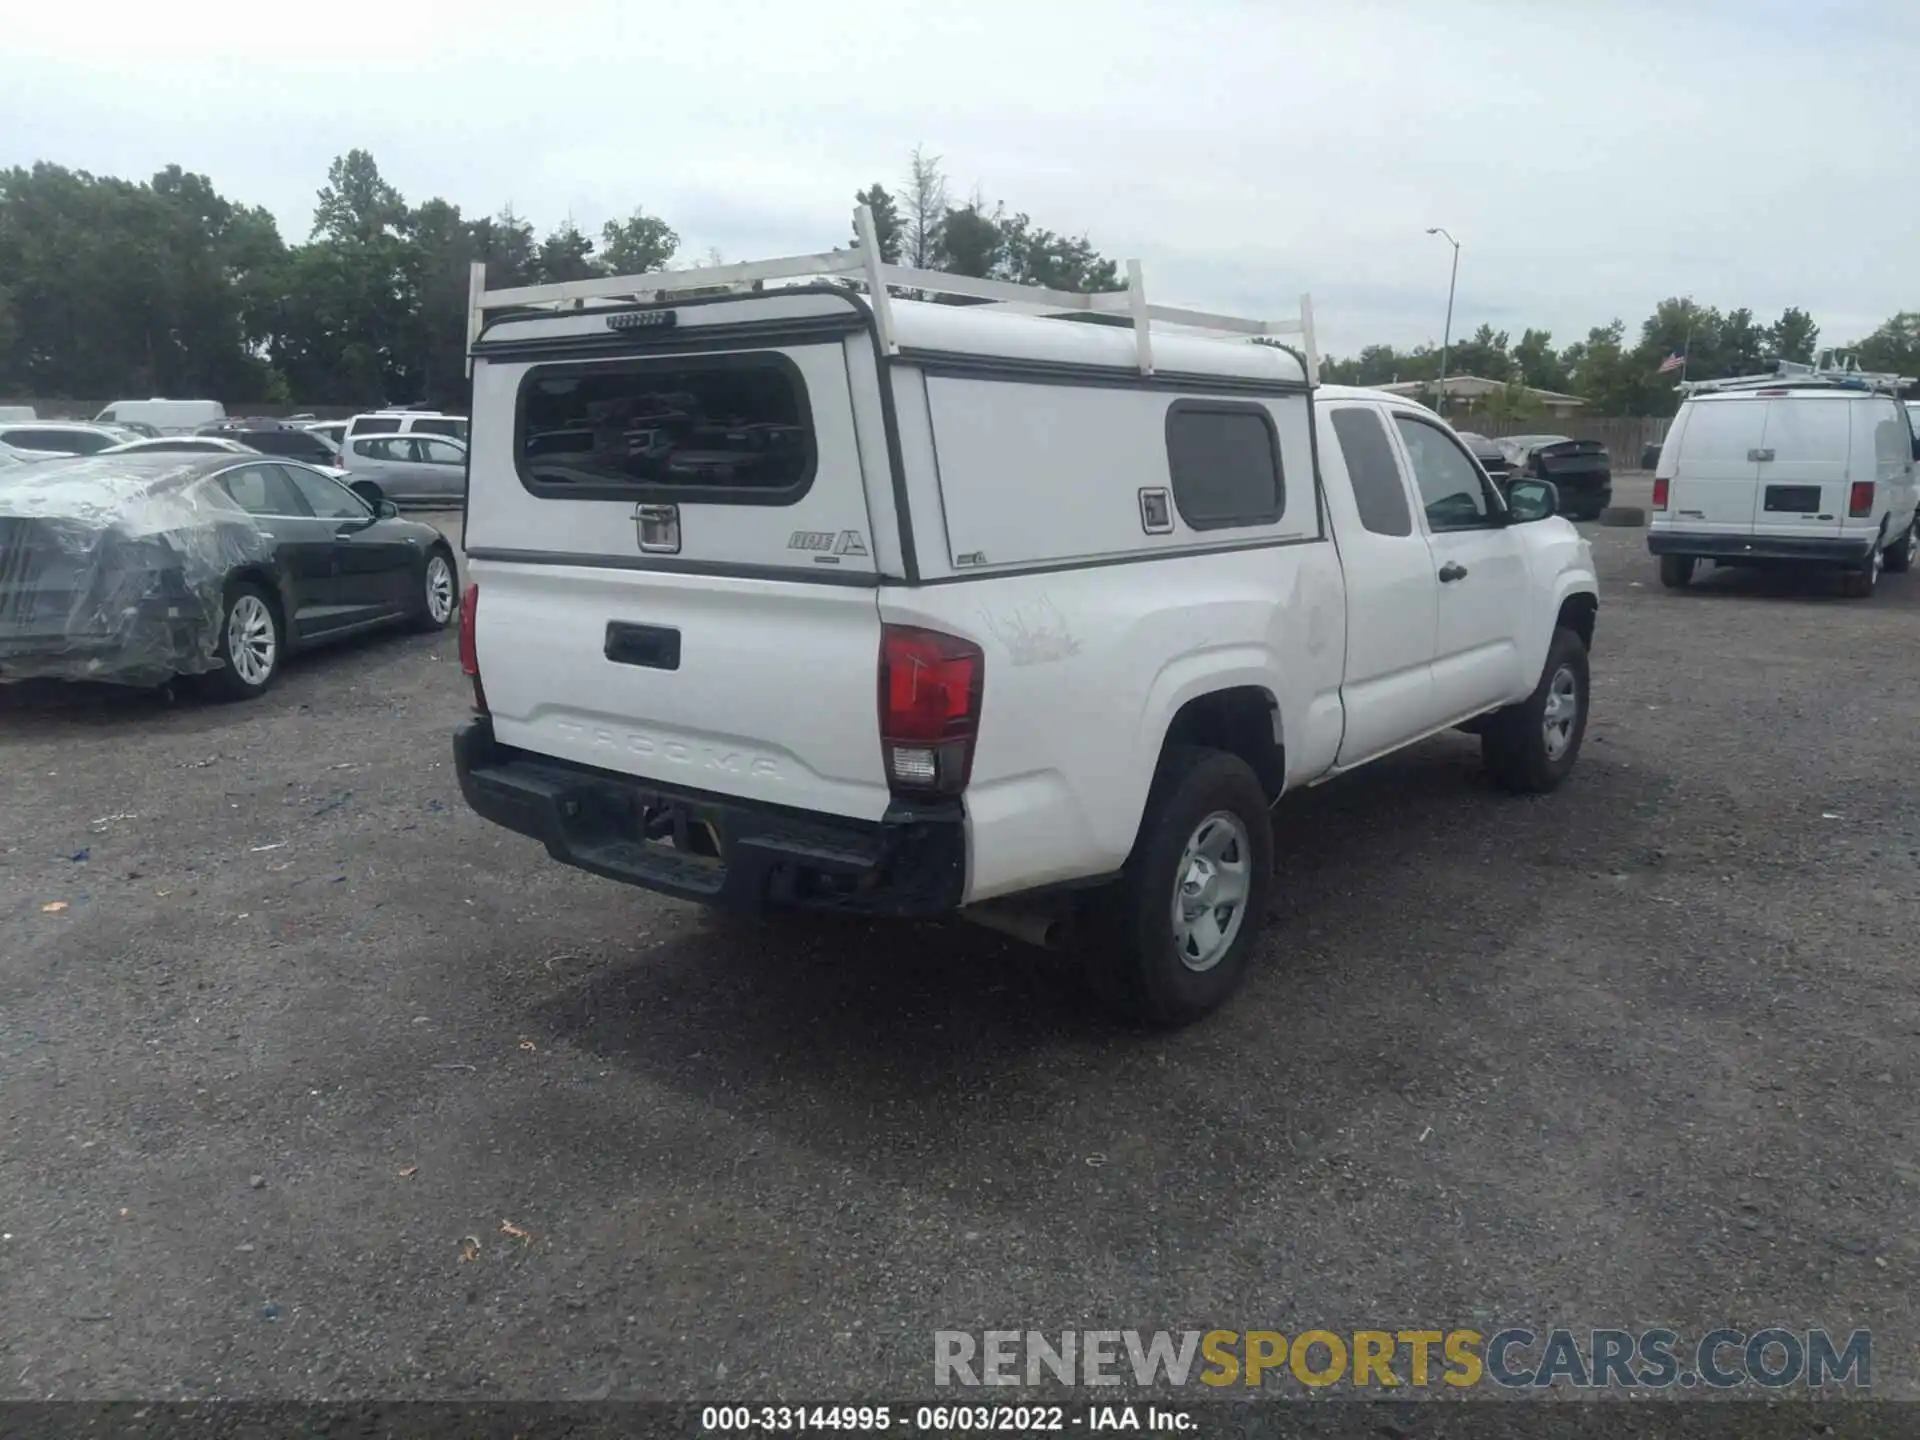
(1713, 471)
(1803, 465)
(667, 523)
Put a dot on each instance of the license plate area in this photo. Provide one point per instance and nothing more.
(635, 821)
(1793, 499)
(668, 824)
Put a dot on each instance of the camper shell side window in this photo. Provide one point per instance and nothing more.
(1224, 459)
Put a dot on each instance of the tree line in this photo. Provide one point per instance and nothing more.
(110, 287)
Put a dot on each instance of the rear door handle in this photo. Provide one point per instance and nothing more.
(1759, 455)
(1452, 571)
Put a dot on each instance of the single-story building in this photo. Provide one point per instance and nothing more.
(1466, 392)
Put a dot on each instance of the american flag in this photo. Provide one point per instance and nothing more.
(1672, 362)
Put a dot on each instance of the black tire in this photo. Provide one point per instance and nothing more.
(1515, 747)
(1904, 551)
(1861, 583)
(1676, 571)
(426, 614)
(1134, 962)
(257, 611)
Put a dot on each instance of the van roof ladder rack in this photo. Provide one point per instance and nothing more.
(1832, 372)
(863, 263)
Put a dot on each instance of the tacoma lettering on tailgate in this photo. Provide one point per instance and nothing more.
(676, 752)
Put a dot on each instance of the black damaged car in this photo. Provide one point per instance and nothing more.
(137, 568)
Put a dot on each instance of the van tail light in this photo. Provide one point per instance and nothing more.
(1860, 499)
(1660, 483)
(469, 644)
(929, 709)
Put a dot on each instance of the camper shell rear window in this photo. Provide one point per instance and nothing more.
(709, 429)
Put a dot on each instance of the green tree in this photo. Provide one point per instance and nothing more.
(566, 254)
(1743, 345)
(1894, 347)
(887, 228)
(1483, 354)
(1538, 363)
(970, 241)
(1030, 255)
(1596, 369)
(1793, 336)
(356, 203)
(113, 287)
(505, 242)
(638, 245)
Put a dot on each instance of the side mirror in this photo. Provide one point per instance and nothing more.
(1529, 500)
(385, 509)
(368, 491)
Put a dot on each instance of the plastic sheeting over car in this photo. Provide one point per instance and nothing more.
(115, 568)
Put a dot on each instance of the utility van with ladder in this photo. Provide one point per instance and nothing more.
(1813, 465)
(787, 591)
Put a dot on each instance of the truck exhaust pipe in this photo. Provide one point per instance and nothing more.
(1036, 927)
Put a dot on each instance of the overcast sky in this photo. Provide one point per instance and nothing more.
(1591, 157)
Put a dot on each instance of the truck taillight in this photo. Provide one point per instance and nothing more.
(1860, 499)
(929, 709)
(1660, 483)
(469, 645)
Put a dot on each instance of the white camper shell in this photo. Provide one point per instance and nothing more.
(808, 594)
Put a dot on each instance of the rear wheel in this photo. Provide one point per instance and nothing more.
(251, 644)
(1531, 746)
(1676, 571)
(1904, 551)
(438, 599)
(1861, 583)
(1179, 928)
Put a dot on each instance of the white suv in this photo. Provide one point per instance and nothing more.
(1798, 470)
(405, 422)
(799, 598)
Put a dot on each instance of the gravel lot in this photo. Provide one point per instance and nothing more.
(1643, 1052)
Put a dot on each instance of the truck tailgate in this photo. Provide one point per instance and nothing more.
(759, 689)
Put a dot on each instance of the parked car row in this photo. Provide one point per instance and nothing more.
(414, 464)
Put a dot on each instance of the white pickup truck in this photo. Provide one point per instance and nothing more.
(812, 597)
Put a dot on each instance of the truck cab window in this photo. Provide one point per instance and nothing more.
(1451, 489)
(1378, 491)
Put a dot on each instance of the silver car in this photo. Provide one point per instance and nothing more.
(417, 469)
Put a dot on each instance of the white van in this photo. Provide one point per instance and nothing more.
(809, 597)
(1807, 467)
(13, 414)
(168, 417)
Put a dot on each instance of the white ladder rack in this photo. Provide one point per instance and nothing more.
(1790, 373)
(863, 263)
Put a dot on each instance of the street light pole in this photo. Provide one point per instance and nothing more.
(1446, 336)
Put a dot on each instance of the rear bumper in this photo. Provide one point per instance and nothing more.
(1813, 550)
(912, 862)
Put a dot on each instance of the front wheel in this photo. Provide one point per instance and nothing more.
(438, 598)
(1180, 927)
(251, 644)
(1530, 747)
(1904, 551)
